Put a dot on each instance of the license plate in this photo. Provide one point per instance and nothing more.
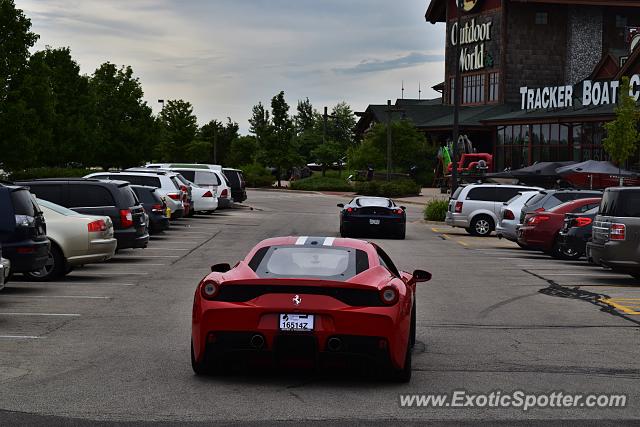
(374, 222)
(296, 322)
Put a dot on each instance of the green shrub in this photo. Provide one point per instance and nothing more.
(257, 176)
(317, 182)
(34, 173)
(399, 188)
(436, 210)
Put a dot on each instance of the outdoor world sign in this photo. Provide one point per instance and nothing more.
(593, 94)
(472, 58)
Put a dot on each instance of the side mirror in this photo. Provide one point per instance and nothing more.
(404, 208)
(220, 268)
(340, 205)
(421, 276)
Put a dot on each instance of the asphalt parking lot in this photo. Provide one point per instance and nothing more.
(111, 342)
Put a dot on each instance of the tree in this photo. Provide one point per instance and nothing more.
(126, 131)
(73, 124)
(15, 40)
(305, 117)
(18, 122)
(260, 122)
(278, 149)
(219, 136)
(622, 133)
(242, 151)
(179, 129)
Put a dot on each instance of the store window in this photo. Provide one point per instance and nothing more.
(452, 91)
(542, 18)
(473, 89)
(494, 84)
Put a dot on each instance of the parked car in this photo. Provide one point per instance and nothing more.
(548, 199)
(205, 185)
(540, 229)
(5, 270)
(614, 242)
(475, 207)
(372, 215)
(576, 233)
(166, 187)
(238, 184)
(23, 231)
(183, 165)
(509, 217)
(114, 199)
(185, 190)
(212, 179)
(155, 207)
(76, 239)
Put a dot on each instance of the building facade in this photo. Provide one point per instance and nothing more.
(539, 77)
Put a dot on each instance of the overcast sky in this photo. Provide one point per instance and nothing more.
(226, 55)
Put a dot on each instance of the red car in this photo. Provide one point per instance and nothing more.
(540, 229)
(298, 300)
(469, 162)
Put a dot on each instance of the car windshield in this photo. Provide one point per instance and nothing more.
(57, 208)
(331, 263)
(373, 201)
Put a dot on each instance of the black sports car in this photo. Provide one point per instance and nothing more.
(575, 233)
(372, 215)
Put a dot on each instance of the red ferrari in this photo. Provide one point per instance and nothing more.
(307, 299)
(540, 229)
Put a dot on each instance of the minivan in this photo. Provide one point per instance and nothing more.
(476, 207)
(238, 184)
(114, 199)
(23, 232)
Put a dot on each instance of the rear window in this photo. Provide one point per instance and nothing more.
(536, 199)
(145, 195)
(175, 182)
(22, 203)
(50, 192)
(207, 178)
(373, 201)
(89, 196)
(621, 203)
(506, 193)
(57, 208)
(149, 181)
(329, 263)
(190, 175)
(233, 177)
(129, 197)
(456, 193)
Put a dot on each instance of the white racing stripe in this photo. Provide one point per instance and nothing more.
(301, 240)
(328, 241)
(19, 337)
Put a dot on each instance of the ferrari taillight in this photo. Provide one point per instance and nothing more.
(389, 295)
(209, 289)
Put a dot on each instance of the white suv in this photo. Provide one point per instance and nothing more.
(476, 207)
(166, 186)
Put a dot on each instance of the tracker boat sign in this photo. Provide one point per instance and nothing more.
(594, 93)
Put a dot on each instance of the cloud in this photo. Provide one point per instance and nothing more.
(374, 65)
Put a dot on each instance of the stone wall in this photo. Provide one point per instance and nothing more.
(536, 54)
(584, 42)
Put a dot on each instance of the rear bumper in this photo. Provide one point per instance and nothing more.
(26, 262)
(456, 220)
(100, 250)
(529, 237)
(205, 204)
(573, 242)
(224, 203)
(131, 238)
(615, 256)
(507, 229)
(158, 223)
(239, 196)
(5, 270)
(383, 325)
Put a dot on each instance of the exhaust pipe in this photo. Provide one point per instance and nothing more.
(334, 344)
(257, 341)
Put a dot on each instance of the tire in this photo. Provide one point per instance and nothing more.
(403, 375)
(468, 230)
(567, 253)
(343, 231)
(482, 226)
(199, 368)
(522, 245)
(56, 267)
(400, 234)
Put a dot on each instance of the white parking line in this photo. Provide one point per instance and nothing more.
(182, 243)
(54, 296)
(166, 249)
(19, 337)
(594, 275)
(8, 313)
(150, 256)
(113, 274)
(49, 284)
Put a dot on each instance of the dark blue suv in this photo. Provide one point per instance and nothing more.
(23, 232)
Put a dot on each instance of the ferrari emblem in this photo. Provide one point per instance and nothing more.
(297, 300)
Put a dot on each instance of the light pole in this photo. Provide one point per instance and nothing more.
(390, 111)
(456, 102)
